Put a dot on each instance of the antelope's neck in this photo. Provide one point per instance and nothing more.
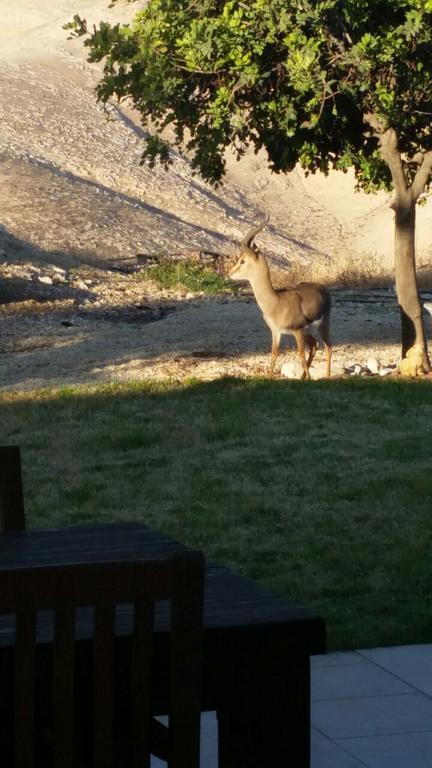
(265, 295)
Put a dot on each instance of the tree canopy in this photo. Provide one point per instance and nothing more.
(300, 78)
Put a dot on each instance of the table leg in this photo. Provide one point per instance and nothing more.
(266, 723)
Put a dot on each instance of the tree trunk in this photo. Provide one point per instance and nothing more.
(406, 280)
(405, 209)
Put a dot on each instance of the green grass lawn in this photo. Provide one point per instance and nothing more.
(321, 490)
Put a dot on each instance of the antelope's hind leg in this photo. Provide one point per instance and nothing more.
(276, 337)
(300, 341)
(311, 343)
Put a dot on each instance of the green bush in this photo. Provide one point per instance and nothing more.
(186, 274)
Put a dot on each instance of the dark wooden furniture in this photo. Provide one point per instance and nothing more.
(63, 590)
(256, 646)
(12, 515)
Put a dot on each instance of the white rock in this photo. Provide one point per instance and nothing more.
(45, 279)
(292, 370)
(319, 370)
(373, 364)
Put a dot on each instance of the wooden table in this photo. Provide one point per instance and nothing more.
(256, 645)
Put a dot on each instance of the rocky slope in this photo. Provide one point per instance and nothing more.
(70, 179)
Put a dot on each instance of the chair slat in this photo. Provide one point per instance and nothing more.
(142, 657)
(63, 686)
(185, 660)
(12, 517)
(24, 686)
(103, 661)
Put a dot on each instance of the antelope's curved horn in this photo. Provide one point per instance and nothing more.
(253, 233)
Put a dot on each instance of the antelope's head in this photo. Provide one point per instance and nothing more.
(249, 257)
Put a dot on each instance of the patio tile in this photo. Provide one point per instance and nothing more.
(372, 716)
(354, 680)
(209, 740)
(327, 754)
(406, 750)
(412, 663)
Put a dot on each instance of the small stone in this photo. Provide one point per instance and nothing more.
(45, 280)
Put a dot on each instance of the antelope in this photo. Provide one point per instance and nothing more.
(295, 310)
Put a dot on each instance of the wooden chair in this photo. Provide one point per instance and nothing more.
(12, 515)
(24, 592)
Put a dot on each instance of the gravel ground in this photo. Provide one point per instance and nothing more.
(63, 326)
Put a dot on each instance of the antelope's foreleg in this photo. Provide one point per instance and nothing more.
(325, 335)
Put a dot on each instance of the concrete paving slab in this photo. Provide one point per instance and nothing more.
(337, 659)
(411, 663)
(354, 680)
(405, 750)
(372, 716)
(371, 709)
(327, 754)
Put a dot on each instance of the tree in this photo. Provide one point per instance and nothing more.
(329, 84)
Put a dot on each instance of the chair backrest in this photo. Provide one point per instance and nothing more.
(103, 586)
(12, 517)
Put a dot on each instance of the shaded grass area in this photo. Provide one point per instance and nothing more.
(321, 490)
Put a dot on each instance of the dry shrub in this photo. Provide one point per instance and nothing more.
(352, 271)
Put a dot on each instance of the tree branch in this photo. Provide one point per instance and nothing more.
(373, 121)
(422, 176)
(388, 142)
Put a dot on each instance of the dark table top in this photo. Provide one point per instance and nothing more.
(233, 604)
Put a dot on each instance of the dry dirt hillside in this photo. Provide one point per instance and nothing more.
(74, 203)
